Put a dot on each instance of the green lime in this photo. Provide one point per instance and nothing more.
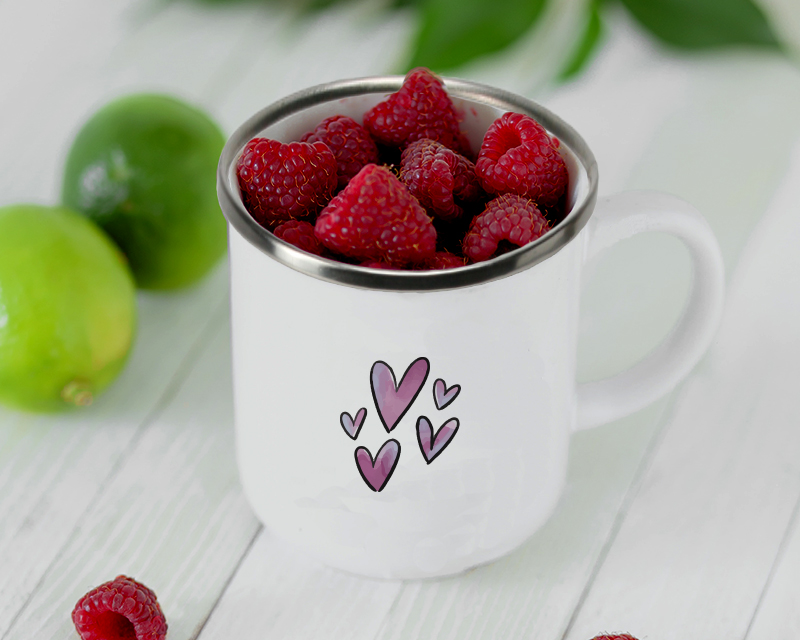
(144, 169)
(67, 308)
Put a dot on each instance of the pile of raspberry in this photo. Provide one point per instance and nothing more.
(402, 189)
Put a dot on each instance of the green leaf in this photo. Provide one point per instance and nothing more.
(586, 46)
(320, 5)
(453, 32)
(701, 24)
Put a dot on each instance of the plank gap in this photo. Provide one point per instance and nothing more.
(225, 586)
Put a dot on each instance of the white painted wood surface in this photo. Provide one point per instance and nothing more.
(680, 521)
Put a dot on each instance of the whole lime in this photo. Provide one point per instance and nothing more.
(67, 308)
(144, 169)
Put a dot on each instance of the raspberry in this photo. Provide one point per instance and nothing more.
(376, 218)
(619, 636)
(435, 175)
(442, 260)
(122, 609)
(508, 217)
(284, 181)
(350, 143)
(377, 264)
(517, 156)
(420, 109)
(301, 234)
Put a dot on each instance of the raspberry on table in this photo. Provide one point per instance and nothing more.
(376, 218)
(518, 156)
(350, 143)
(122, 609)
(437, 177)
(282, 181)
(615, 636)
(420, 109)
(508, 217)
(301, 234)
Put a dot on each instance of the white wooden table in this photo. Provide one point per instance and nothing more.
(678, 522)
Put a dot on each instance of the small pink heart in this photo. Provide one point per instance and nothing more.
(442, 438)
(376, 473)
(353, 427)
(393, 400)
(443, 396)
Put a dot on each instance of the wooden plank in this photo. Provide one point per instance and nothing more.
(726, 94)
(778, 615)
(182, 49)
(295, 54)
(279, 592)
(700, 540)
(59, 49)
(52, 468)
(172, 515)
(186, 48)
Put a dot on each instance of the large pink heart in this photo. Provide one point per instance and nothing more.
(430, 445)
(392, 400)
(376, 473)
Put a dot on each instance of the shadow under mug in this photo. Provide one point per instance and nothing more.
(410, 424)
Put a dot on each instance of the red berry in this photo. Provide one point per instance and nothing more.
(442, 260)
(436, 176)
(301, 234)
(122, 609)
(518, 156)
(508, 217)
(350, 143)
(376, 218)
(617, 636)
(377, 264)
(284, 181)
(420, 109)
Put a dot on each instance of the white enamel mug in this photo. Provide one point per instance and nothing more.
(403, 424)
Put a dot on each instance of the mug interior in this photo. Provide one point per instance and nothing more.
(479, 106)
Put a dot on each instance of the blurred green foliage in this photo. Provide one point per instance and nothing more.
(454, 32)
(586, 45)
(703, 24)
(451, 33)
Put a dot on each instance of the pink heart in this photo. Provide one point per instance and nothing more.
(392, 400)
(442, 438)
(443, 396)
(353, 427)
(376, 473)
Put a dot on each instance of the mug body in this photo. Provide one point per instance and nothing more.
(304, 353)
(404, 424)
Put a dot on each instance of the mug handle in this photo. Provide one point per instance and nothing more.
(627, 214)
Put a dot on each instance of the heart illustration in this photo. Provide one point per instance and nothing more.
(376, 473)
(352, 427)
(430, 445)
(393, 400)
(443, 396)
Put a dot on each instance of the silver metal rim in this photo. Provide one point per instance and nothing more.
(387, 280)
